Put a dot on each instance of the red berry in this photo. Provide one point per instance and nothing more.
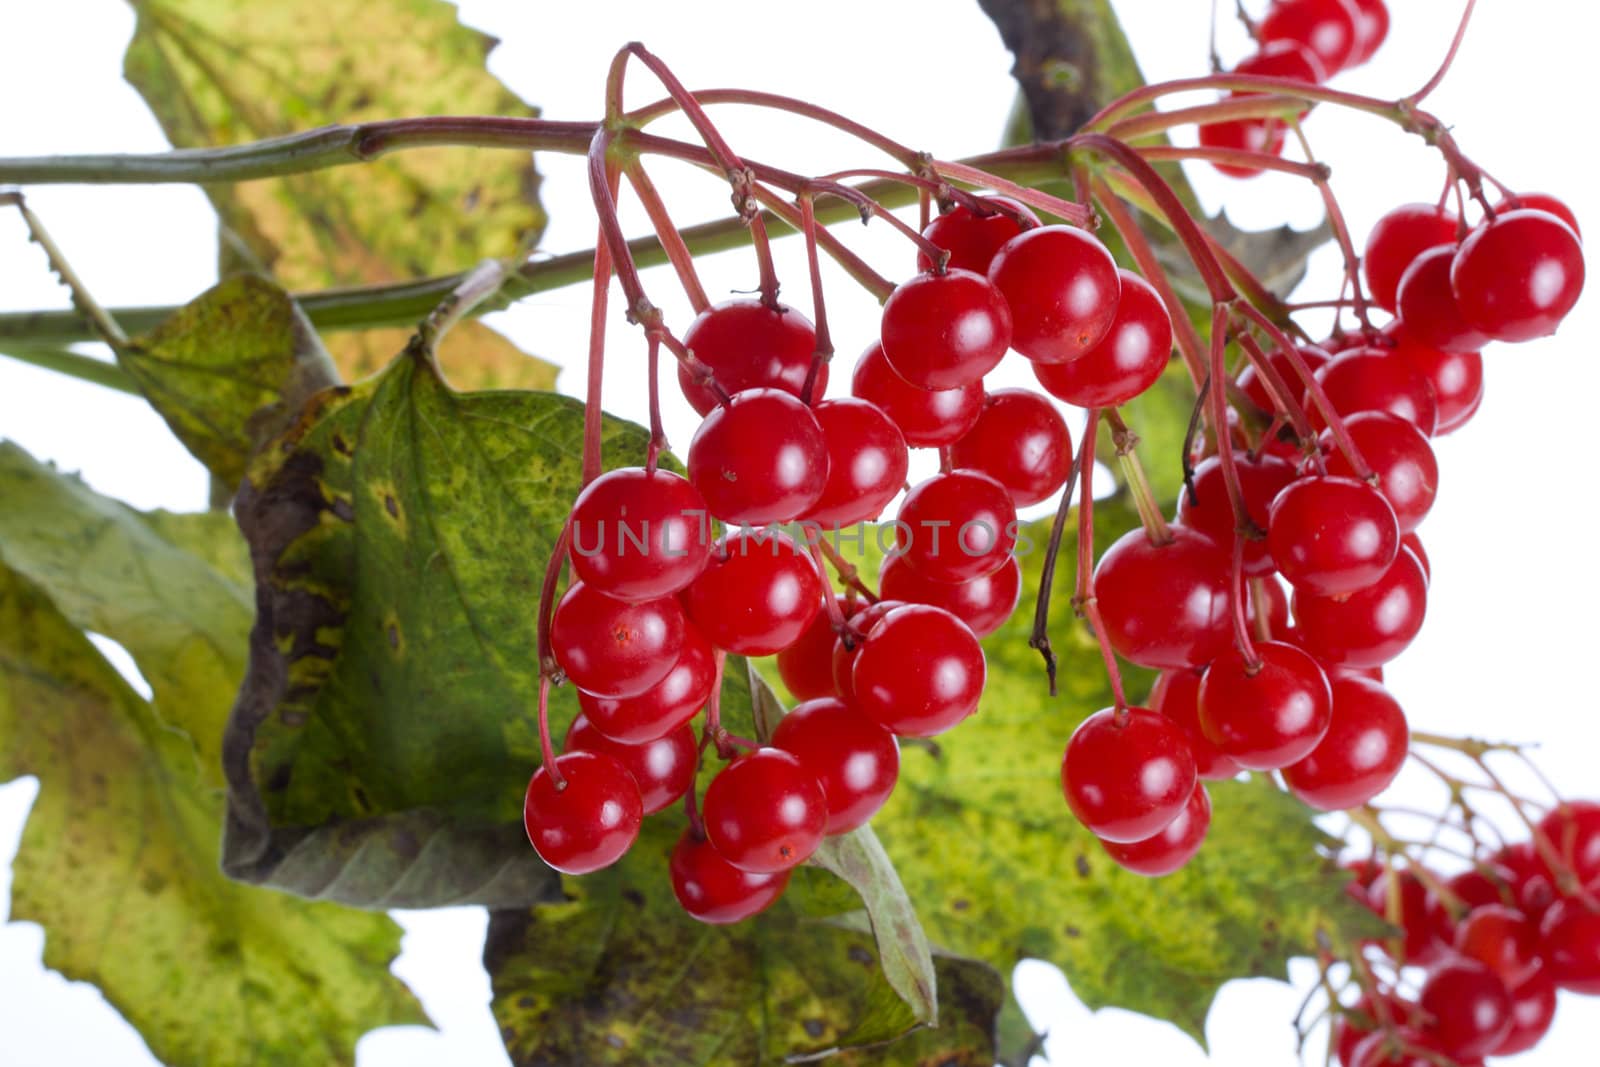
(1414, 543)
(1570, 936)
(1456, 377)
(984, 604)
(945, 331)
(715, 891)
(663, 768)
(639, 534)
(1176, 694)
(806, 666)
(1516, 276)
(760, 458)
(758, 595)
(663, 707)
(750, 346)
(765, 812)
(1405, 1047)
(848, 645)
(1468, 891)
(1127, 777)
(1419, 944)
(1399, 454)
(1573, 831)
(1540, 202)
(1332, 536)
(1361, 753)
(1165, 606)
(1126, 362)
(1246, 135)
(1503, 940)
(1283, 59)
(1268, 714)
(973, 239)
(957, 526)
(1020, 441)
(855, 760)
(614, 648)
(939, 692)
(1372, 26)
(1173, 847)
(1276, 59)
(1396, 240)
(1531, 887)
(1370, 627)
(589, 822)
(1533, 1009)
(867, 461)
(1427, 304)
(1470, 1006)
(1207, 508)
(1062, 287)
(1255, 386)
(1363, 1017)
(1369, 379)
(1326, 27)
(928, 418)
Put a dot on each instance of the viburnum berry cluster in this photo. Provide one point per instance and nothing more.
(1290, 574)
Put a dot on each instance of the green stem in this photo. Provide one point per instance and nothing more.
(76, 365)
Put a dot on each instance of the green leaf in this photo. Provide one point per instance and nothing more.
(118, 864)
(220, 72)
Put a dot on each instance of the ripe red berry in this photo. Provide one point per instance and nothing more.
(1368, 379)
(940, 692)
(1456, 377)
(1372, 26)
(1532, 889)
(1469, 890)
(957, 526)
(589, 822)
(1206, 508)
(806, 666)
(973, 238)
(984, 604)
(1165, 606)
(1570, 936)
(1176, 694)
(1021, 441)
(760, 458)
(715, 891)
(1470, 1006)
(1371, 626)
(1331, 536)
(1533, 1009)
(928, 418)
(639, 534)
(1427, 304)
(614, 648)
(1062, 287)
(1573, 832)
(1361, 753)
(1396, 240)
(856, 761)
(945, 331)
(750, 346)
(1173, 847)
(1503, 940)
(1405, 1047)
(1326, 27)
(1360, 1019)
(1283, 59)
(1516, 276)
(1127, 777)
(1255, 386)
(663, 707)
(758, 594)
(867, 462)
(1414, 543)
(1419, 944)
(1541, 202)
(1401, 457)
(848, 645)
(1268, 714)
(663, 768)
(1126, 362)
(765, 812)
(1246, 135)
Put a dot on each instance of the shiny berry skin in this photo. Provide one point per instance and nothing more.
(847, 645)
(1401, 457)
(1062, 287)
(927, 418)
(1326, 27)
(957, 526)
(1414, 543)
(945, 331)
(1532, 889)
(1255, 386)
(1533, 1009)
(1330, 536)
(1419, 944)
(1270, 716)
(715, 891)
(1427, 304)
(1541, 202)
(590, 822)
(1456, 377)
(663, 707)
(984, 604)
(1503, 940)
(1570, 936)
(614, 648)
(1126, 781)
(663, 768)
(1361, 753)
(1173, 847)
(1126, 362)
(758, 595)
(1372, 26)
(760, 458)
(1405, 1047)
(1246, 135)
(1176, 694)
(1472, 889)
(1371, 626)
(856, 761)
(867, 461)
(1470, 1006)
(806, 666)
(765, 812)
(1165, 606)
(941, 690)
(1573, 831)
(1369, 379)
(1021, 441)
(1516, 277)
(1397, 239)
(750, 346)
(1360, 1019)
(639, 534)
(973, 239)
(1208, 510)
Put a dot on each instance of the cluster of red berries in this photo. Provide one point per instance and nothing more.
(1309, 41)
(1497, 942)
(1305, 699)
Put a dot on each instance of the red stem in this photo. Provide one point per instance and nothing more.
(823, 350)
(1238, 157)
(1066, 209)
(1450, 56)
(658, 435)
(547, 749)
(672, 244)
(1085, 600)
(1243, 523)
(1276, 387)
(1241, 624)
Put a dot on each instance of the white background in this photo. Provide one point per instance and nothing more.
(1509, 643)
